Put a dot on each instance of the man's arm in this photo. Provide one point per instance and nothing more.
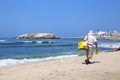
(85, 38)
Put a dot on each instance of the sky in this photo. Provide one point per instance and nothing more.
(64, 18)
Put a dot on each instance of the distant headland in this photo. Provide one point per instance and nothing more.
(38, 36)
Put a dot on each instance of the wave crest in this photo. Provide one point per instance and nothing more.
(109, 45)
(2, 40)
(12, 62)
(28, 42)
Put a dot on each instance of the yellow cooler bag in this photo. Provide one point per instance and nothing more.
(82, 45)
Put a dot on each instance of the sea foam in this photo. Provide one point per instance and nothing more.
(2, 40)
(109, 45)
(14, 62)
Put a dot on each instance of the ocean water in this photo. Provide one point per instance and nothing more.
(22, 51)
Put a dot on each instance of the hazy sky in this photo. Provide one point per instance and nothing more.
(64, 18)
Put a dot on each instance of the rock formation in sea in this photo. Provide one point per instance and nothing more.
(38, 36)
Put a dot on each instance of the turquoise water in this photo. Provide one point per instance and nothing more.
(15, 51)
(28, 48)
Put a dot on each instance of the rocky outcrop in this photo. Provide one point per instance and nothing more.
(38, 36)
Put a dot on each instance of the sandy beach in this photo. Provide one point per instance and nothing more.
(105, 66)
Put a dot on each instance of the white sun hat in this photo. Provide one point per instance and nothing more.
(91, 32)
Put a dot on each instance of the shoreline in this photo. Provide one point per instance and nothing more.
(25, 61)
(105, 66)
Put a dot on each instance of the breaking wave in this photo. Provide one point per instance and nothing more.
(2, 41)
(13, 62)
(29, 42)
(109, 45)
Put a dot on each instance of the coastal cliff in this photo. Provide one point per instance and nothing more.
(38, 36)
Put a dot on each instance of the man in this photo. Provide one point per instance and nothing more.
(91, 40)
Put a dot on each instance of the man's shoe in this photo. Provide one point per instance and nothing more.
(89, 62)
(86, 61)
